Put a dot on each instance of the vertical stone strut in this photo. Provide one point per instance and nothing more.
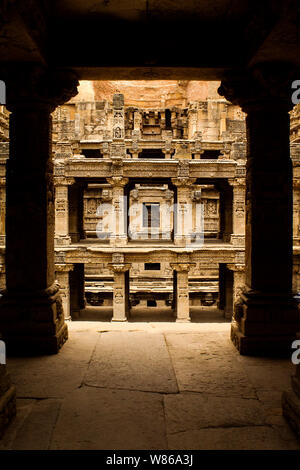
(62, 276)
(238, 214)
(31, 315)
(119, 210)
(121, 287)
(2, 210)
(182, 304)
(183, 214)
(62, 236)
(266, 317)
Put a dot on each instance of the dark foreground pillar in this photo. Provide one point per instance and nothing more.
(266, 317)
(31, 313)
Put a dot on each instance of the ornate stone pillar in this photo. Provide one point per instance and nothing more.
(62, 236)
(296, 212)
(121, 287)
(238, 271)
(62, 276)
(296, 277)
(183, 210)
(266, 317)
(2, 210)
(238, 211)
(118, 117)
(119, 211)
(2, 277)
(31, 314)
(181, 294)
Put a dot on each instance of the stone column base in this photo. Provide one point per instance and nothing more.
(264, 323)
(291, 410)
(36, 342)
(261, 345)
(183, 320)
(33, 323)
(7, 400)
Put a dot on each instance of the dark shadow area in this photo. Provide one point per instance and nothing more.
(207, 315)
(153, 314)
(96, 313)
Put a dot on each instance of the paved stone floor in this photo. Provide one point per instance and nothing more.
(154, 385)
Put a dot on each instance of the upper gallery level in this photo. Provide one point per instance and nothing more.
(175, 120)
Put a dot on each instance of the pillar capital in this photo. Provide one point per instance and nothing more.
(183, 181)
(64, 268)
(181, 267)
(117, 181)
(265, 85)
(236, 267)
(237, 182)
(118, 264)
(37, 85)
(119, 268)
(63, 181)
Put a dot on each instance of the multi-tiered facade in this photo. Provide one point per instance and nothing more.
(149, 204)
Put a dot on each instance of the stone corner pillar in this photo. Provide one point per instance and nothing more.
(238, 282)
(121, 287)
(296, 212)
(181, 294)
(266, 317)
(62, 276)
(183, 211)
(31, 312)
(2, 210)
(118, 223)
(62, 184)
(238, 211)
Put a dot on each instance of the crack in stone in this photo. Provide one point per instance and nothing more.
(54, 425)
(171, 362)
(224, 426)
(130, 389)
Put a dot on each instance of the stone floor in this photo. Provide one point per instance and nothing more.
(149, 385)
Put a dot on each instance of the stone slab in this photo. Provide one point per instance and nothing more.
(270, 376)
(132, 360)
(95, 419)
(56, 375)
(208, 364)
(189, 411)
(24, 407)
(37, 429)
(239, 438)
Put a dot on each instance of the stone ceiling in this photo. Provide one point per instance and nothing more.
(153, 39)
